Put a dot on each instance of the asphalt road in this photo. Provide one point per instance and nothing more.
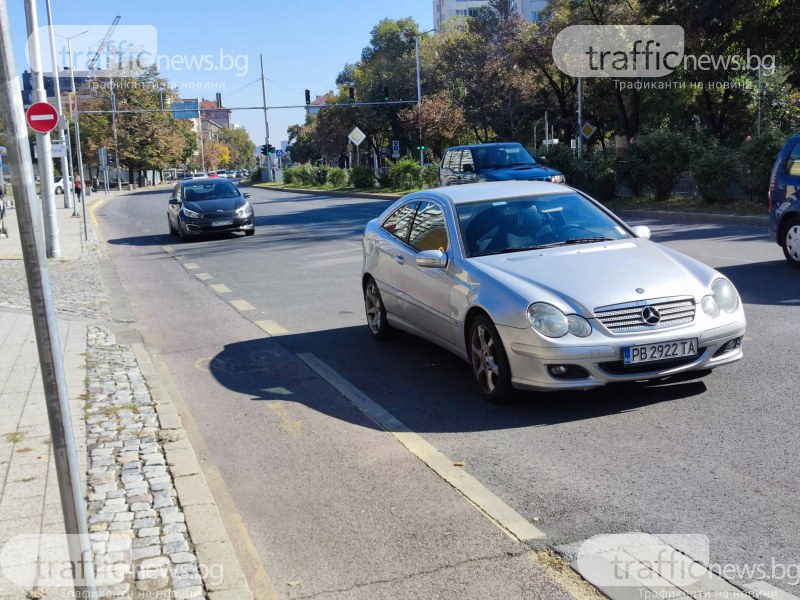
(717, 457)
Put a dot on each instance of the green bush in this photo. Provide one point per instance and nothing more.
(595, 174)
(362, 177)
(255, 176)
(430, 175)
(657, 159)
(291, 174)
(307, 175)
(320, 175)
(337, 177)
(714, 168)
(756, 158)
(405, 174)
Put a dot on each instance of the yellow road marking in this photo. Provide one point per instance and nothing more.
(220, 288)
(204, 276)
(293, 426)
(191, 265)
(497, 511)
(242, 305)
(93, 208)
(271, 327)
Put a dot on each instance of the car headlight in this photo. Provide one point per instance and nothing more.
(723, 297)
(551, 322)
(190, 213)
(557, 179)
(243, 210)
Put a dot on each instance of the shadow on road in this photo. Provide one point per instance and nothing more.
(425, 387)
(769, 282)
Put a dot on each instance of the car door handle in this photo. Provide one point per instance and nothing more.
(400, 259)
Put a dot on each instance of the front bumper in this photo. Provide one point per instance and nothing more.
(205, 226)
(603, 362)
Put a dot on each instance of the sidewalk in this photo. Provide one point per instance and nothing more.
(155, 529)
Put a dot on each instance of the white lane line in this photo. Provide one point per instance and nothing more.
(204, 276)
(242, 305)
(220, 288)
(310, 263)
(792, 301)
(332, 252)
(473, 490)
(271, 327)
(169, 249)
(191, 266)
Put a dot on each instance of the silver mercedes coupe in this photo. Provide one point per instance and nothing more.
(539, 287)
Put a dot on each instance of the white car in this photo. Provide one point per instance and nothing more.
(539, 287)
(59, 185)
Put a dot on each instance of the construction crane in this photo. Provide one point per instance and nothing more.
(102, 45)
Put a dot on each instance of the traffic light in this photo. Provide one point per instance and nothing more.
(352, 95)
(264, 150)
(386, 93)
(270, 149)
(308, 97)
(420, 147)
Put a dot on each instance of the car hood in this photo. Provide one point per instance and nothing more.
(212, 206)
(581, 278)
(534, 173)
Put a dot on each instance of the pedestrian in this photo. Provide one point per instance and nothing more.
(78, 187)
(3, 232)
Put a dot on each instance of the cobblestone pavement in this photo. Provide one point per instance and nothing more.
(137, 525)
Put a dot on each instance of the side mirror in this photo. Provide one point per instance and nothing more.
(542, 159)
(469, 168)
(246, 194)
(432, 258)
(174, 200)
(642, 231)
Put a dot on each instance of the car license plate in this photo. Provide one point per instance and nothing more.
(221, 223)
(661, 351)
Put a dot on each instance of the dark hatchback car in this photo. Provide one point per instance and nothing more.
(203, 206)
(784, 200)
(493, 162)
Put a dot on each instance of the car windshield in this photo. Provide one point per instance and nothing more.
(201, 191)
(498, 227)
(502, 155)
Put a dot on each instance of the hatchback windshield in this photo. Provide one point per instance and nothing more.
(496, 227)
(502, 155)
(209, 190)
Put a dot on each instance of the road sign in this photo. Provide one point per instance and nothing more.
(588, 130)
(395, 148)
(41, 117)
(278, 152)
(357, 136)
(59, 149)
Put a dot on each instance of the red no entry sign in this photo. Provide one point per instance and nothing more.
(41, 117)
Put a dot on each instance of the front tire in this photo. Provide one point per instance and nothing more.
(182, 234)
(250, 232)
(172, 231)
(59, 190)
(791, 242)
(488, 361)
(376, 312)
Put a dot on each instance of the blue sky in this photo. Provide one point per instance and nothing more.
(305, 44)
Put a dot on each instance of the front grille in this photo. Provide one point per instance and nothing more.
(626, 318)
(220, 215)
(618, 367)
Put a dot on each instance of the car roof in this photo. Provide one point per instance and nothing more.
(194, 180)
(470, 146)
(494, 190)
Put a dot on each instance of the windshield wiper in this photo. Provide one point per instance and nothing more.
(578, 240)
(510, 249)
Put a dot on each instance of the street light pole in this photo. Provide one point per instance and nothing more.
(77, 121)
(419, 103)
(266, 121)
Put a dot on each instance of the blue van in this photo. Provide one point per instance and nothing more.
(784, 201)
(493, 162)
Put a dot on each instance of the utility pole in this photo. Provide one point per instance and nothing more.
(266, 121)
(65, 170)
(419, 103)
(77, 121)
(44, 317)
(46, 178)
(114, 126)
(580, 117)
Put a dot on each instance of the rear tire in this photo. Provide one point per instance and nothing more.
(376, 312)
(790, 242)
(488, 361)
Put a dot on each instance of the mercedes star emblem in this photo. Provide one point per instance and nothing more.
(651, 315)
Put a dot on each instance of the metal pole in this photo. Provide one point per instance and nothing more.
(66, 168)
(546, 130)
(76, 118)
(70, 167)
(44, 318)
(758, 125)
(419, 103)
(46, 178)
(114, 126)
(266, 121)
(580, 116)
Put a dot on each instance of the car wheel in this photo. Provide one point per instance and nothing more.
(171, 228)
(791, 242)
(182, 234)
(376, 313)
(487, 357)
(250, 232)
(59, 190)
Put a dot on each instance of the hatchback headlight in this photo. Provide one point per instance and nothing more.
(190, 213)
(556, 179)
(551, 322)
(723, 297)
(243, 210)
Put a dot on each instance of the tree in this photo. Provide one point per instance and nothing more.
(240, 147)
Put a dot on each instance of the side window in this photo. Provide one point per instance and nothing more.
(176, 191)
(428, 231)
(467, 163)
(399, 222)
(793, 164)
(455, 161)
(448, 160)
